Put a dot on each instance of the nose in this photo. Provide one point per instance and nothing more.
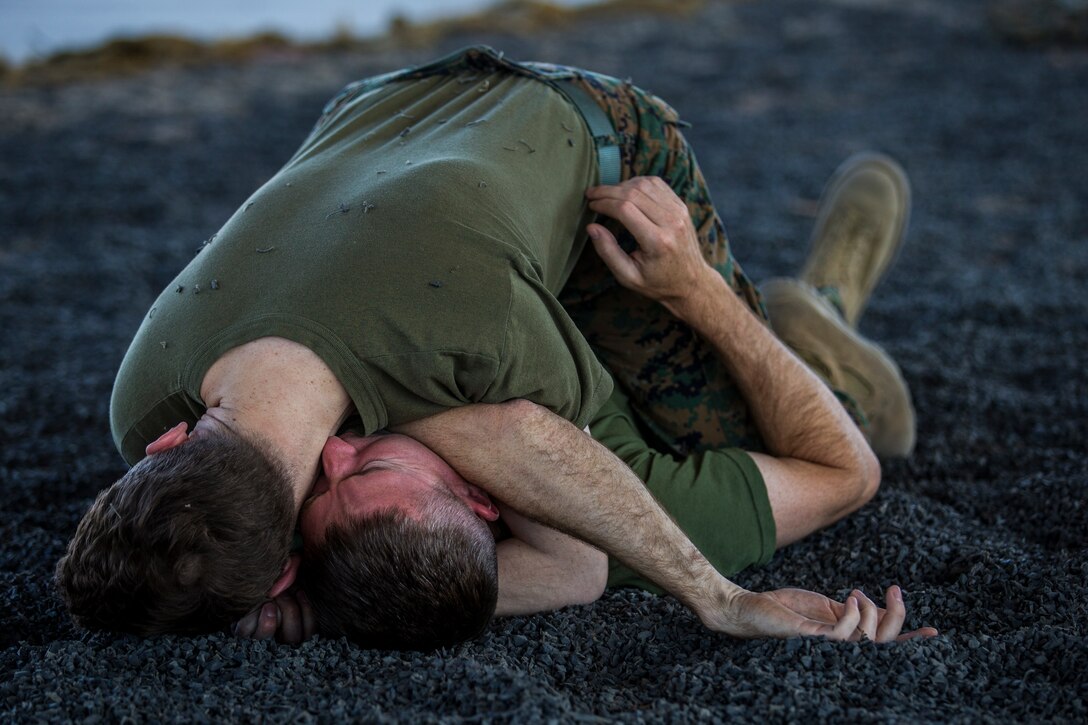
(337, 458)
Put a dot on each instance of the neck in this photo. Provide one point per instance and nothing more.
(282, 393)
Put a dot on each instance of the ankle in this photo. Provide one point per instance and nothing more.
(832, 295)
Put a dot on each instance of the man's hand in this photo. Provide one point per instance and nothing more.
(668, 265)
(288, 617)
(788, 612)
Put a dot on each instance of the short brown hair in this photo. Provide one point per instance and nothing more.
(189, 540)
(390, 581)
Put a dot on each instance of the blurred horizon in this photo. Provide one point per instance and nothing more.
(34, 29)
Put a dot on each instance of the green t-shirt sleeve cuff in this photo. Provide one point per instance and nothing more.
(718, 498)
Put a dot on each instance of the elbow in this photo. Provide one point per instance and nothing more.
(867, 476)
(600, 580)
(853, 484)
(523, 414)
(595, 577)
(856, 481)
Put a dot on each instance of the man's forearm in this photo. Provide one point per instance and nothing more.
(797, 415)
(549, 470)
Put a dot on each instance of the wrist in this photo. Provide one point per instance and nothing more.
(716, 605)
(696, 301)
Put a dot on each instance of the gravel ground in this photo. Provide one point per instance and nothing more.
(106, 189)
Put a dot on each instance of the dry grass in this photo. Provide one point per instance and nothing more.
(127, 56)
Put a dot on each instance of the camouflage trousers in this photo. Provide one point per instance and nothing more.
(675, 382)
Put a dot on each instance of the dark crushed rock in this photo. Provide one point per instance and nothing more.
(106, 189)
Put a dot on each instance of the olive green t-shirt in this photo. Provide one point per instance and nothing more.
(415, 242)
(718, 497)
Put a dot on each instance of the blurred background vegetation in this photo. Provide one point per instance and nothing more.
(407, 25)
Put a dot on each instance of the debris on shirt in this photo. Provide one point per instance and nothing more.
(341, 209)
(214, 284)
(266, 250)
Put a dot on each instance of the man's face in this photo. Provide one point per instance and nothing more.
(363, 475)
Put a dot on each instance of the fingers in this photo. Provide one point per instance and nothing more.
(627, 213)
(923, 632)
(847, 625)
(290, 629)
(654, 198)
(247, 625)
(869, 618)
(261, 623)
(269, 621)
(644, 205)
(617, 260)
(309, 622)
(297, 621)
(289, 618)
(896, 614)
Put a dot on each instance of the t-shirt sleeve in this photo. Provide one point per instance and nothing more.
(546, 359)
(718, 498)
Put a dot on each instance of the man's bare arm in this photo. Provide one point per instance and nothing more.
(816, 451)
(541, 569)
(819, 465)
(549, 470)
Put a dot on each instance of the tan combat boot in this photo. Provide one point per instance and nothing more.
(859, 228)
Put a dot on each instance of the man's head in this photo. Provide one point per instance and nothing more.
(189, 540)
(398, 551)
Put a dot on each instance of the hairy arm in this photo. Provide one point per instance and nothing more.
(815, 450)
(549, 470)
(818, 462)
(541, 569)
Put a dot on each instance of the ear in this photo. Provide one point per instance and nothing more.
(481, 504)
(170, 439)
(287, 576)
(474, 497)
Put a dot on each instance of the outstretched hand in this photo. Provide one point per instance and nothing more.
(668, 264)
(288, 617)
(797, 612)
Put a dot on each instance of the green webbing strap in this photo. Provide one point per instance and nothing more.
(604, 135)
(600, 125)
